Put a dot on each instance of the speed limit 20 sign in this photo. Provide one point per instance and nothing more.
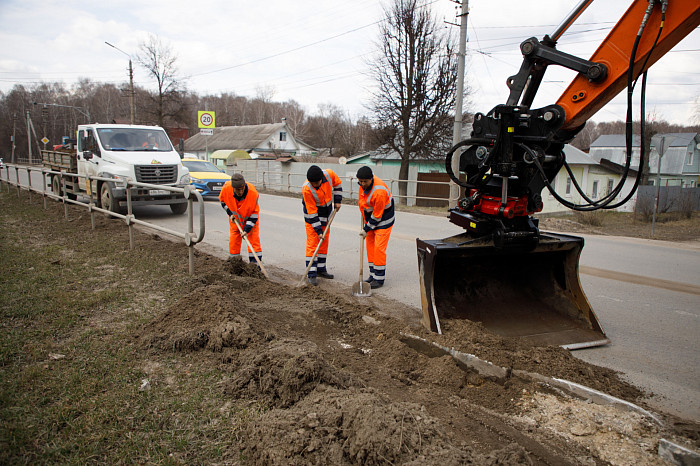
(205, 119)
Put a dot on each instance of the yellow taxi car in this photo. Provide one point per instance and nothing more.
(206, 177)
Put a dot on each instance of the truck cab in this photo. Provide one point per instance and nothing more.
(130, 153)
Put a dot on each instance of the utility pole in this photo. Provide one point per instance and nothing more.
(14, 133)
(457, 132)
(131, 83)
(661, 149)
(132, 110)
(44, 121)
(29, 137)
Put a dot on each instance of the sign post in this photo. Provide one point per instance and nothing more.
(206, 122)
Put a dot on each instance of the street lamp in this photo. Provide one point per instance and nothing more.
(131, 81)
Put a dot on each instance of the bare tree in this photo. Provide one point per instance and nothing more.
(168, 103)
(415, 72)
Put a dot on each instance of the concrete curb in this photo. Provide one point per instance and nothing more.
(669, 451)
(677, 454)
(501, 374)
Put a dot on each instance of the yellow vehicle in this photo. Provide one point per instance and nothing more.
(206, 177)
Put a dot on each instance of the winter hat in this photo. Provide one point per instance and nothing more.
(364, 173)
(237, 180)
(314, 173)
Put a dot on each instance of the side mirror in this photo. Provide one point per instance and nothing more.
(87, 155)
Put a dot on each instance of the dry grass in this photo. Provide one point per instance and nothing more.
(71, 371)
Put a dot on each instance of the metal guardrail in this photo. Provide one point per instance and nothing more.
(129, 218)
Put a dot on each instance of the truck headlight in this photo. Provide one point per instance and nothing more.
(186, 179)
(122, 180)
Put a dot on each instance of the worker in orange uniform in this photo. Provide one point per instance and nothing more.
(321, 193)
(240, 201)
(377, 208)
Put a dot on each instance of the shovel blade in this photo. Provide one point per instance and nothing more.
(361, 289)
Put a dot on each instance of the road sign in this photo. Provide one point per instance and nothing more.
(206, 132)
(45, 140)
(205, 119)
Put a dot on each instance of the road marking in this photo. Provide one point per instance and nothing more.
(641, 280)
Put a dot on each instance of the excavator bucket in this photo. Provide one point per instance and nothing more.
(534, 294)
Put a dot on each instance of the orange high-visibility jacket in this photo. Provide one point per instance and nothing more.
(245, 208)
(318, 203)
(377, 206)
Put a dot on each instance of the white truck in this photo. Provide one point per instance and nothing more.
(122, 153)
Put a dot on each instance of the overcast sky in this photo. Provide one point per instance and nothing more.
(311, 51)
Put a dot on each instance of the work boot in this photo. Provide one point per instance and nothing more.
(324, 274)
(313, 281)
(375, 284)
(369, 280)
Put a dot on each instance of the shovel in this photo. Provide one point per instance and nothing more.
(262, 267)
(362, 288)
(321, 239)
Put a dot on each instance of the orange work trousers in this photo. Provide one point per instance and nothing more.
(235, 241)
(377, 242)
(311, 243)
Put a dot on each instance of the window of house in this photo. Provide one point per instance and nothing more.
(283, 136)
(594, 194)
(568, 186)
(690, 158)
(610, 185)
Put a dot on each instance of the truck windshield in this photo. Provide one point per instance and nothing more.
(134, 139)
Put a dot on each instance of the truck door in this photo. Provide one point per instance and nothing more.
(88, 157)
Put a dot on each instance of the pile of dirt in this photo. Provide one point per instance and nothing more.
(360, 427)
(335, 381)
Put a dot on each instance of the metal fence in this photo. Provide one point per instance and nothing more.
(129, 218)
(671, 198)
(272, 176)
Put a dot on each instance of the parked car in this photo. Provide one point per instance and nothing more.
(206, 178)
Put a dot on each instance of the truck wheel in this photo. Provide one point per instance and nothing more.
(107, 200)
(179, 209)
(56, 185)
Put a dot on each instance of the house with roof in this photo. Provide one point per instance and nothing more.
(385, 157)
(679, 163)
(269, 141)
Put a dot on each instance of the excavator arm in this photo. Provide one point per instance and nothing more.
(503, 271)
(583, 98)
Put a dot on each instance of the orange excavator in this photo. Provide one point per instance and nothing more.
(503, 271)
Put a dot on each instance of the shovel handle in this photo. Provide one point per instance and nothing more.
(245, 237)
(362, 248)
(321, 239)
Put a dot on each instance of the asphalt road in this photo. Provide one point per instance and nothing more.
(646, 293)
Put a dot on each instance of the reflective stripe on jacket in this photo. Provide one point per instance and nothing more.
(245, 209)
(318, 203)
(377, 206)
